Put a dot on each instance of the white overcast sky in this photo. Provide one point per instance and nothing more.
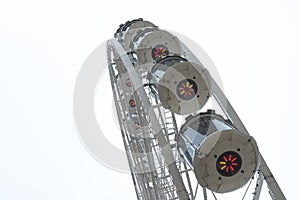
(255, 46)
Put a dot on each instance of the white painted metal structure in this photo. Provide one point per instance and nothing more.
(155, 77)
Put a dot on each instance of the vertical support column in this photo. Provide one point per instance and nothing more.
(275, 191)
(157, 130)
(258, 187)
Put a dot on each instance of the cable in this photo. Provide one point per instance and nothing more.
(214, 195)
(247, 188)
(196, 191)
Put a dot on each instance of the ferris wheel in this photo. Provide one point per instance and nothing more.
(156, 81)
